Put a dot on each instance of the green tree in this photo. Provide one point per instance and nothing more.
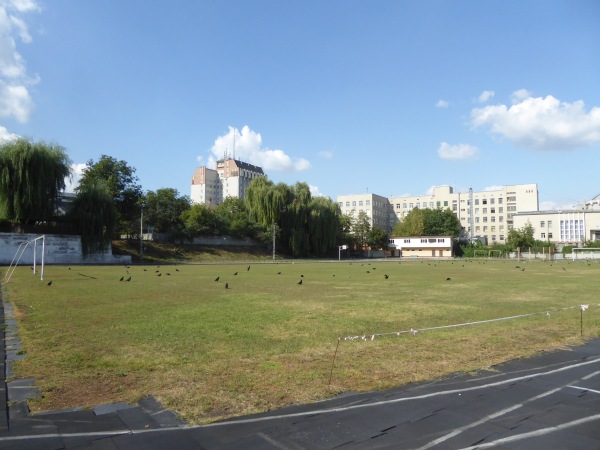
(163, 210)
(32, 175)
(200, 220)
(323, 225)
(521, 238)
(123, 185)
(361, 229)
(378, 239)
(95, 215)
(233, 217)
(441, 222)
(411, 225)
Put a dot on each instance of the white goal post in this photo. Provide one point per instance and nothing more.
(19, 254)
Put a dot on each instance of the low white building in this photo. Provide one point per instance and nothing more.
(421, 246)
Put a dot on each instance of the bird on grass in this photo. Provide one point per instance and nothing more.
(49, 283)
(235, 273)
(448, 279)
(368, 271)
(176, 270)
(128, 279)
(159, 275)
(301, 276)
(226, 285)
(386, 276)
(278, 273)
(69, 268)
(121, 279)
(300, 282)
(145, 270)
(564, 269)
(217, 279)
(523, 269)
(248, 268)
(168, 274)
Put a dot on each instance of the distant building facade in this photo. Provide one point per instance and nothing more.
(564, 227)
(485, 215)
(230, 179)
(421, 246)
(376, 207)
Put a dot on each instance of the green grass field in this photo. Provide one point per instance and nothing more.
(209, 352)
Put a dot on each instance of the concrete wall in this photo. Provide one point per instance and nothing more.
(59, 249)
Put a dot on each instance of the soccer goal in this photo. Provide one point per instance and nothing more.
(19, 254)
(586, 253)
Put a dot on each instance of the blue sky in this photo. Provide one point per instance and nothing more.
(388, 97)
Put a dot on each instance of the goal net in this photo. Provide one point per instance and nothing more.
(32, 243)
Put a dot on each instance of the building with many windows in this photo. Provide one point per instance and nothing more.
(486, 215)
(376, 207)
(230, 179)
(564, 227)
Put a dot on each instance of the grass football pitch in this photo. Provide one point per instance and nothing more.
(219, 340)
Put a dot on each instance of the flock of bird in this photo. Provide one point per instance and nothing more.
(128, 277)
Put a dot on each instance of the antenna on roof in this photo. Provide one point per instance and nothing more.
(234, 130)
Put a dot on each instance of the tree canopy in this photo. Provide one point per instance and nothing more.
(122, 183)
(308, 226)
(521, 237)
(32, 175)
(163, 210)
(429, 222)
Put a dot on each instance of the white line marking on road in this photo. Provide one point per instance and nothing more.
(585, 389)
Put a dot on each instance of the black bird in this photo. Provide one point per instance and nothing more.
(278, 273)
(156, 271)
(517, 267)
(145, 270)
(159, 275)
(168, 274)
(50, 283)
(176, 270)
(301, 276)
(248, 268)
(300, 282)
(69, 268)
(226, 285)
(368, 271)
(121, 279)
(523, 269)
(235, 273)
(217, 279)
(128, 279)
(564, 269)
(448, 279)
(386, 276)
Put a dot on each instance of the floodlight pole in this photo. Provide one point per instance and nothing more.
(274, 241)
(142, 235)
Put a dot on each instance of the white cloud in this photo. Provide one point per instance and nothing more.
(442, 104)
(15, 100)
(5, 136)
(72, 181)
(519, 96)
(247, 146)
(485, 96)
(314, 191)
(460, 151)
(326, 154)
(550, 205)
(541, 123)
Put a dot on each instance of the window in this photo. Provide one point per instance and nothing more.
(484, 229)
(500, 202)
(407, 241)
(476, 219)
(368, 202)
(491, 201)
(477, 229)
(411, 205)
(397, 205)
(549, 235)
(404, 205)
(438, 204)
(501, 237)
(511, 199)
(477, 201)
(549, 224)
(454, 207)
(360, 203)
(485, 210)
(485, 219)
(440, 240)
(493, 237)
(501, 210)
(431, 205)
(354, 203)
(542, 224)
(484, 202)
(445, 202)
(347, 204)
(493, 218)
(418, 205)
(423, 241)
(476, 210)
(341, 204)
(493, 229)
(511, 208)
(543, 235)
(493, 210)
(501, 219)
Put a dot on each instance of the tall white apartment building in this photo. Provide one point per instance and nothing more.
(376, 207)
(230, 179)
(482, 214)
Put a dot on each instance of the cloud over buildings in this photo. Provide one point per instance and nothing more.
(246, 145)
(542, 123)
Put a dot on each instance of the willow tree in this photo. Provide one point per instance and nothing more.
(308, 226)
(32, 176)
(95, 214)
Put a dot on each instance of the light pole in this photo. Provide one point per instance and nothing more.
(142, 235)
